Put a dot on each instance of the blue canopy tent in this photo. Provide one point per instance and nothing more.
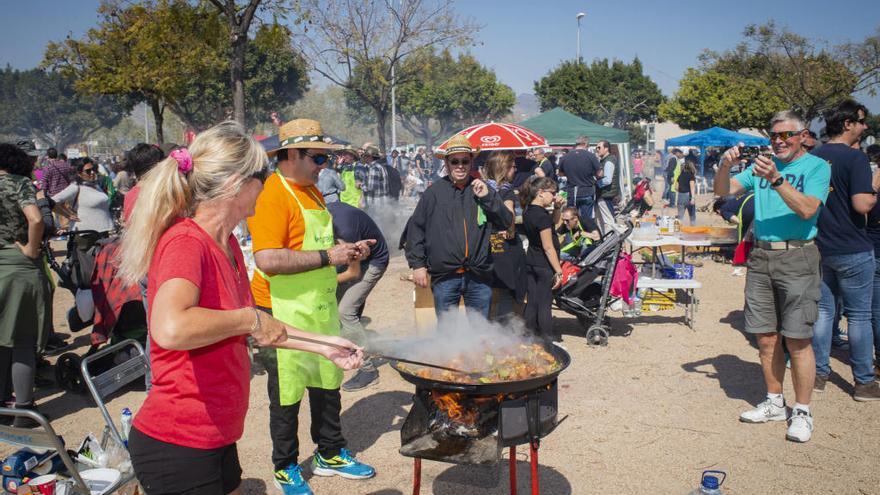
(715, 136)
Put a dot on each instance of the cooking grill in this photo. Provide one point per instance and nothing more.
(472, 423)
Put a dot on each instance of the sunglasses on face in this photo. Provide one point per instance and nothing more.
(261, 175)
(859, 121)
(318, 158)
(88, 171)
(456, 162)
(785, 135)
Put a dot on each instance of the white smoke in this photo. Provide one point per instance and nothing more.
(458, 333)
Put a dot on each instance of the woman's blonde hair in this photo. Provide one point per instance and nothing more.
(497, 165)
(222, 152)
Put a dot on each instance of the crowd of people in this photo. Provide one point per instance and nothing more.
(490, 230)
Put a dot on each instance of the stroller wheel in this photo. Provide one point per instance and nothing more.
(67, 373)
(597, 335)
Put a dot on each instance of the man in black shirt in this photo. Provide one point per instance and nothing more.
(352, 224)
(581, 168)
(447, 236)
(847, 251)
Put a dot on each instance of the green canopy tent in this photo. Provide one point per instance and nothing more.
(561, 128)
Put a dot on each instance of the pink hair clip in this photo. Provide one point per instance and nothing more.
(184, 160)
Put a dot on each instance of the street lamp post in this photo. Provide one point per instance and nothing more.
(579, 17)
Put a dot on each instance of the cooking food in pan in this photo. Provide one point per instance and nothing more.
(515, 363)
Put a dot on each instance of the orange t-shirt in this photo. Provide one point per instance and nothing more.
(278, 223)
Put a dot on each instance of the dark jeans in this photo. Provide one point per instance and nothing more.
(539, 300)
(325, 407)
(584, 204)
(450, 290)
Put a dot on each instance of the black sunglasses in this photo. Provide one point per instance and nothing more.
(319, 159)
(261, 175)
(89, 171)
(456, 161)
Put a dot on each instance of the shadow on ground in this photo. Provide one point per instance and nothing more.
(461, 479)
(739, 379)
(253, 486)
(373, 416)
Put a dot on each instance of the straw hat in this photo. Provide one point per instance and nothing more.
(303, 133)
(372, 150)
(457, 144)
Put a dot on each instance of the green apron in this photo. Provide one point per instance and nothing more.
(352, 194)
(307, 301)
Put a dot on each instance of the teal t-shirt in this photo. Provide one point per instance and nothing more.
(774, 220)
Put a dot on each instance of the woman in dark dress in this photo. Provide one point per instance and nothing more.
(543, 270)
(507, 252)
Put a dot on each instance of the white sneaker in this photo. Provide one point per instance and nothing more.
(764, 412)
(800, 426)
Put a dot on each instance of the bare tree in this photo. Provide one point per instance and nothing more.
(357, 43)
(239, 19)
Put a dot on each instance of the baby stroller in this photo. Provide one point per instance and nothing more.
(115, 311)
(585, 292)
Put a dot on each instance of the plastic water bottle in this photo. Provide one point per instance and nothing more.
(710, 484)
(637, 305)
(125, 422)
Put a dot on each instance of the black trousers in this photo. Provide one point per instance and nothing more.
(539, 300)
(325, 407)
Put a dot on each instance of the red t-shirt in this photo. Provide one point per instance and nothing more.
(199, 397)
(128, 202)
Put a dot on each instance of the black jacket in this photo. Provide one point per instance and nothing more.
(443, 234)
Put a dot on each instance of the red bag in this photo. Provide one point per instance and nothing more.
(741, 253)
(569, 270)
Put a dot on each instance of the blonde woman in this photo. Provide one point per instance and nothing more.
(201, 312)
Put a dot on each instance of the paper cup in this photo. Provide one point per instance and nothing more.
(45, 484)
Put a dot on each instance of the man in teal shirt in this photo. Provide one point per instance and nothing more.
(783, 279)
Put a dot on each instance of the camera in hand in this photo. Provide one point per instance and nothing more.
(752, 152)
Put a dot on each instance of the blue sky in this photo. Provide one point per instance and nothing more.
(523, 39)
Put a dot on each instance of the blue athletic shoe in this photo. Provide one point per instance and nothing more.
(291, 482)
(344, 465)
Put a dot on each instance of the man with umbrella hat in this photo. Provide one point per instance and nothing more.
(448, 234)
(295, 280)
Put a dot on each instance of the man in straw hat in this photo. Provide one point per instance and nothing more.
(448, 234)
(295, 280)
(353, 193)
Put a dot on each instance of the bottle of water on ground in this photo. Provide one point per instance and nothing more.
(710, 484)
(125, 423)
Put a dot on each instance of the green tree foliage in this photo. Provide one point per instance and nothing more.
(714, 98)
(808, 75)
(147, 50)
(356, 43)
(448, 94)
(275, 76)
(176, 55)
(615, 92)
(45, 105)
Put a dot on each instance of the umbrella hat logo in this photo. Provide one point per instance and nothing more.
(490, 140)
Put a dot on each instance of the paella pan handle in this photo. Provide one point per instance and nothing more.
(381, 356)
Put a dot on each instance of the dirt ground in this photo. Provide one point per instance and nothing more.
(646, 414)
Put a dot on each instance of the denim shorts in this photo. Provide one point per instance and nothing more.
(783, 291)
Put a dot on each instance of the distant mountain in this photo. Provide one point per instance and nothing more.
(526, 106)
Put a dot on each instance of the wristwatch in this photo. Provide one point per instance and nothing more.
(778, 182)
